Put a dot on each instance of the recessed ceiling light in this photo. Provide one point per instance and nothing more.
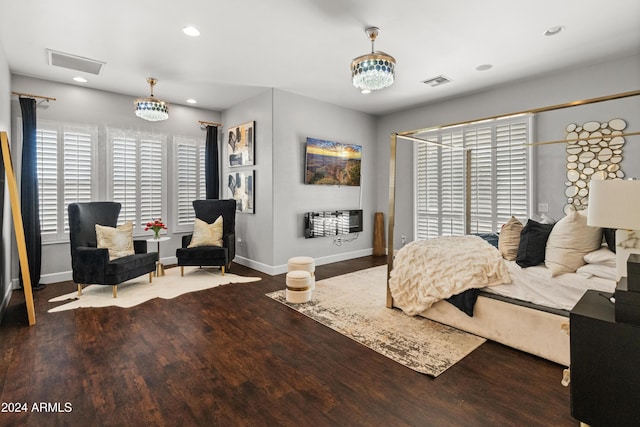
(554, 30)
(80, 79)
(192, 101)
(365, 91)
(484, 67)
(191, 31)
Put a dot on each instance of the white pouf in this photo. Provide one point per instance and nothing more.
(298, 286)
(303, 263)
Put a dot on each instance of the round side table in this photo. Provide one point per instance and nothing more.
(159, 266)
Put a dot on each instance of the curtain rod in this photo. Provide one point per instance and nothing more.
(202, 122)
(28, 95)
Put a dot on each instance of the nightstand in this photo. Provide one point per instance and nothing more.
(605, 364)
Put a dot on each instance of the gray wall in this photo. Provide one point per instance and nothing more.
(5, 224)
(79, 105)
(254, 231)
(573, 84)
(274, 233)
(295, 119)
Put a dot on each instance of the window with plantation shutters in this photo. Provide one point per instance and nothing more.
(137, 177)
(499, 177)
(65, 161)
(190, 180)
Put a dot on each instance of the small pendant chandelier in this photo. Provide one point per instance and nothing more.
(375, 70)
(151, 109)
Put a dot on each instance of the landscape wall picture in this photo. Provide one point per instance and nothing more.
(332, 163)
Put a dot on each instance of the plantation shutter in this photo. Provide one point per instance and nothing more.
(47, 167)
(125, 175)
(78, 171)
(202, 184)
(512, 171)
(482, 160)
(428, 190)
(452, 194)
(151, 181)
(187, 181)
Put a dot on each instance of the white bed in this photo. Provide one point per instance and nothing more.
(535, 285)
(529, 314)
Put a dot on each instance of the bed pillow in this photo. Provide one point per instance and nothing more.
(533, 242)
(602, 256)
(491, 238)
(598, 270)
(206, 234)
(119, 241)
(509, 239)
(570, 240)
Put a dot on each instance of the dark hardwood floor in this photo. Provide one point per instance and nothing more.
(230, 356)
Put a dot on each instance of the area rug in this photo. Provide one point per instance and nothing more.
(354, 305)
(139, 290)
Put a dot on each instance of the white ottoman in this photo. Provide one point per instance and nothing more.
(298, 286)
(303, 263)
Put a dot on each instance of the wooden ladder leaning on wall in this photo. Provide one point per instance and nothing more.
(18, 226)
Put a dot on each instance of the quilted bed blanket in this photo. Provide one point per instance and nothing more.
(426, 271)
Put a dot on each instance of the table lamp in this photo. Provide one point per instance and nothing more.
(615, 203)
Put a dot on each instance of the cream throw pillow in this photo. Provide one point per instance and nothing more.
(206, 234)
(119, 241)
(509, 239)
(570, 240)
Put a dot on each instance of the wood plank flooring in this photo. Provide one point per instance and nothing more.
(230, 356)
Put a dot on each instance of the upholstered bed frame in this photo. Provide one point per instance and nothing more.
(535, 331)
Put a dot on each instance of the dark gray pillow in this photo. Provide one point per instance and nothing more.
(533, 242)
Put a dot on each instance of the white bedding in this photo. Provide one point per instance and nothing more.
(535, 285)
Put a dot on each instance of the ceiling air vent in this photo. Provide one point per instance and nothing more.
(74, 62)
(436, 81)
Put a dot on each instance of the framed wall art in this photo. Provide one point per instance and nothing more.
(241, 144)
(240, 186)
(332, 163)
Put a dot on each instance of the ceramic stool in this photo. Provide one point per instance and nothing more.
(303, 263)
(298, 286)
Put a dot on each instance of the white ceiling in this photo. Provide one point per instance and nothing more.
(306, 46)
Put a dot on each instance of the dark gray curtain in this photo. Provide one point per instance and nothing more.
(211, 169)
(29, 203)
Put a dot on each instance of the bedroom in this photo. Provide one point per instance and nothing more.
(288, 117)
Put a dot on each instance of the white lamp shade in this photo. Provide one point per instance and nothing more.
(614, 203)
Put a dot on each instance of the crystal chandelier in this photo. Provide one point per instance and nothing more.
(151, 109)
(375, 70)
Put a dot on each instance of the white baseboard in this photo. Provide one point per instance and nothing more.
(271, 270)
(64, 276)
(263, 268)
(281, 269)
